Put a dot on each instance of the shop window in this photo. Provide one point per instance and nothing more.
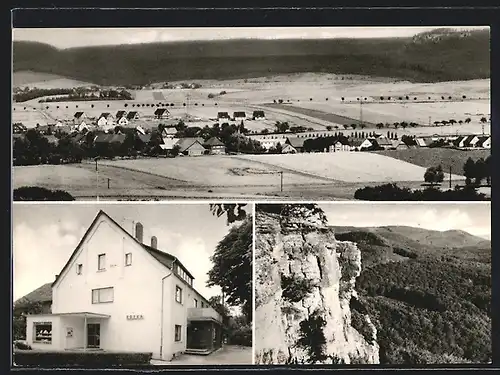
(43, 332)
(128, 259)
(102, 295)
(101, 262)
(178, 332)
(178, 294)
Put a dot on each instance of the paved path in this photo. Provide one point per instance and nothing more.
(228, 355)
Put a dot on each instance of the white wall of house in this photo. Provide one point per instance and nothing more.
(56, 343)
(102, 121)
(123, 121)
(137, 289)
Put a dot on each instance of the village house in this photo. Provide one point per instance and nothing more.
(191, 146)
(423, 141)
(223, 116)
(296, 143)
(110, 138)
(358, 144)
(168, 143)
(19, 128)
(117, 293)
(133, 115)
(384, 142)
(483, 142)
(288, 149)
(464, 141)
(258, 115)
(120, 114)
(105, 119)
(169, 131)
(341, 144)
(215, 146)
(239, 116)
(79, 117)
(269, 140)
(161, 113)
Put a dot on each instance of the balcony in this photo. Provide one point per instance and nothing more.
(195, 313)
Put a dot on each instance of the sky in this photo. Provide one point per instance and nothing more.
(45, 236)
(79, 37)
(474, 218)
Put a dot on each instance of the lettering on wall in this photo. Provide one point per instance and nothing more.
(135, 317)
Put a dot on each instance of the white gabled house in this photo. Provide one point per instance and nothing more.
(105, 119)
(116, 293)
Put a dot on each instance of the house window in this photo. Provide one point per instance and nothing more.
(195, 302)
(79, 268)
(101, 262)
(178, 294)
(102, 295)
(128, 259)
(42, 332)
(178, 331)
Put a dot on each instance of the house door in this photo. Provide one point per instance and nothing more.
(93, 335)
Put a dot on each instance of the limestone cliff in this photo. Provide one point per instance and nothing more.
(305, 280)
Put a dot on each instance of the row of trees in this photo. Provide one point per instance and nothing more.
(392, 192)
(34, 93)
(82, 96)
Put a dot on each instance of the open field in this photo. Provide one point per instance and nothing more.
(305, 176)
(431, 157)
(44, 80)
(347, 166)
(259, 93)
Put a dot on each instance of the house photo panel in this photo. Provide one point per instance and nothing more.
(171, 283)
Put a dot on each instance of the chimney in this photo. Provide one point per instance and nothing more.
(139, 230)
(56, 277)
(154, 242)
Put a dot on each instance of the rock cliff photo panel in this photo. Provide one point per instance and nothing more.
(385, 283)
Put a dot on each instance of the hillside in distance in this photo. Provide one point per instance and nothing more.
(428, 292)
(451, 57)
(399, 243)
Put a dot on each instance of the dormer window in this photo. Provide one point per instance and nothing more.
(79, 268)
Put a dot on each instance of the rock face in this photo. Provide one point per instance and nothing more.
(305, 280)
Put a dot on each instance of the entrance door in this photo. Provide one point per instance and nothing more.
(93, 335)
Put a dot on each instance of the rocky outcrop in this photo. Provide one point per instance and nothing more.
(305, 280)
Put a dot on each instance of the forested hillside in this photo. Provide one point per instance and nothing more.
(430, 304)
(453, 56)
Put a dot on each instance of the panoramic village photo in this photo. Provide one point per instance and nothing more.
(380, 283)
(132, 285)
(317, 113)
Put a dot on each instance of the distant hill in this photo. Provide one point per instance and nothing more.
(457, 56)
(396, 243)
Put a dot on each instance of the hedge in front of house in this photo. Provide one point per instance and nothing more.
(33, 358)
